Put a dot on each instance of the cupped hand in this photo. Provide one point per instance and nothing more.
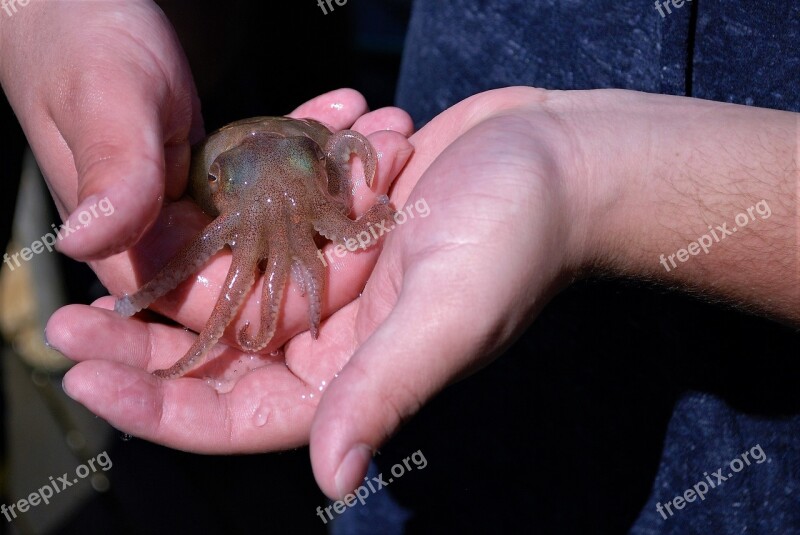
(481, 247)
(450, 290)
(224, 405)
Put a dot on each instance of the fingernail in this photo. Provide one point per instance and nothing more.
(352, 468)
(64, 387)
(49, 345)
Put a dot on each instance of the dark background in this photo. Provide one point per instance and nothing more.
(563, 434)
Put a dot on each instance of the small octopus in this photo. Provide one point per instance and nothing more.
(271, 184)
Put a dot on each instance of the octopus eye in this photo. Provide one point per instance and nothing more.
(214, 173)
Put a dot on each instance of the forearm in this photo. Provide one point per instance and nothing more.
(691, 193)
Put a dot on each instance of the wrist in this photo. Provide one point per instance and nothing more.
(651, 176)
(556, 138)
(603, 150)
(587, 167)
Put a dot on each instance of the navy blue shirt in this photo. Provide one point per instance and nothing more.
(619, 397)
(731, 51)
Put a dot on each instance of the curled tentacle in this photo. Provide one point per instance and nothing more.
(271, 297)
(338, 151)
(241, 276)
(306, 258)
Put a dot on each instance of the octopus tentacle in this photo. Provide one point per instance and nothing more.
(338, 151)
(271, 296)
(337, 227)
(305, 256)
(299, 276)
(238, 282)
(187, 261)
(343, 144)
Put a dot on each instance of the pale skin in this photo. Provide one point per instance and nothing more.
(527, 189)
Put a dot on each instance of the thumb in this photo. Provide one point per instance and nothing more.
(415, 353)
(121, 146)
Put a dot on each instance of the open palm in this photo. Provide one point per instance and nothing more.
(452, 286)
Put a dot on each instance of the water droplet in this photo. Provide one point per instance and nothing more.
(126, 437)
(303, 396)
(311, 395)
(261, 416)
(214, 383)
